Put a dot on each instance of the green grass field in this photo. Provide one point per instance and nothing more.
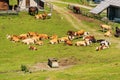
(90, 64)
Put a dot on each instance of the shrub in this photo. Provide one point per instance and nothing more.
(24, 68)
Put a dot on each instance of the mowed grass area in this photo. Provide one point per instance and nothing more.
(91, 65)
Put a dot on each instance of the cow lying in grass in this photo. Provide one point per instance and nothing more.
(43, 16)
(39, 43)
(108, 33)
(28, 41)
(13, 38)
(68, 42)
(32, 48)
(103, 45)
(83, 43)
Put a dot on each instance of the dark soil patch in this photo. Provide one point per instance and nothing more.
(85, 18)
(68, 61)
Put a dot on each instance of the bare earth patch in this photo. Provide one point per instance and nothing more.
(63, 64)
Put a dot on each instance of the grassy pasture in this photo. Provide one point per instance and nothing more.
(91, 65)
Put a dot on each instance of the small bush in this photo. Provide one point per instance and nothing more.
(24, 68)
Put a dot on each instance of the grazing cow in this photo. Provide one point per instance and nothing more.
(117, 34)
(108, 33)
(32, 48)
(105, 27)
(76, 9)
(68, 42)
(33, 10)
(117, 30)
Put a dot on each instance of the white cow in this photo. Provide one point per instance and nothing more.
(28, 41)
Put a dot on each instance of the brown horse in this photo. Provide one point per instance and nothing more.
(33, 10)
(76, 9)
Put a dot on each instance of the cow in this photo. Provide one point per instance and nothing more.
(44, 15)
(38, 16)
(106, 43)
(117, 30)
(13, 38)
(71, 34)
(108, 33)
(54, 36)
(33, 11)
(68, 42)
(43, 36)
(83, 43)
(76, 9)
(23, 36)
(31, 34)
(117, 34)
(39, 43)
(79, 33)
(101, 47)
(105, 27)
(54, 41)
(32, 48)
(28, 41)
(49, 15)
(90, 38)
(63, 39)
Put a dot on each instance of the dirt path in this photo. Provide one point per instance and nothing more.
(83, 6)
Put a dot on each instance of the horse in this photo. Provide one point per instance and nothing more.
(76, 9)
(33, 11)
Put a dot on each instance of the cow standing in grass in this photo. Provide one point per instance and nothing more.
(117, 34)
(33, 11)
(76, 9)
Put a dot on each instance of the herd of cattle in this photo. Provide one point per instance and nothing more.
(83, 38)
